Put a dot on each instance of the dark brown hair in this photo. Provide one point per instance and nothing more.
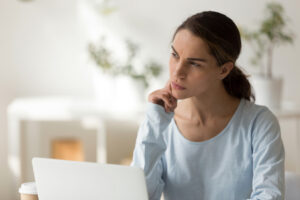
(224, 41)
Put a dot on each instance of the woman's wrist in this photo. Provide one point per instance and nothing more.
(157, 113)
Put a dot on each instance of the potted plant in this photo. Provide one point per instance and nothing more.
(121, 75)
(271, 33)
(102, 57)
(117, 73)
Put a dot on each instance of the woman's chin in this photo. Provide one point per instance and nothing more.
(179, 96)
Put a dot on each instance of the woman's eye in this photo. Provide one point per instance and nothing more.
(174, 55)
(195, 64)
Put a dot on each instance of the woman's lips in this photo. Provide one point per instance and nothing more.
(176, 86)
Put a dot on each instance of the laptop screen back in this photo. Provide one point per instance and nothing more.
(71, 180)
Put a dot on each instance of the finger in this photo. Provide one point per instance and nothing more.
(174, 106)
(172, 99)
(168, 109)
(165, 92)
(167, 99)
(171, 107)
(170, 86)
(168, 93)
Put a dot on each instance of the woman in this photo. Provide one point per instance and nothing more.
(215, 144)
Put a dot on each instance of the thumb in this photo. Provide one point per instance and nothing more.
(168, 86)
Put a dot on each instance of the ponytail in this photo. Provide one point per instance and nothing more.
(237, 84)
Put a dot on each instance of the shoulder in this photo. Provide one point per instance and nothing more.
(257, 113)
(262, 121)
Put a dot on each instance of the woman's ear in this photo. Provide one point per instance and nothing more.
(226, 69)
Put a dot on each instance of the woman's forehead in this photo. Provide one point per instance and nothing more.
(185, 42)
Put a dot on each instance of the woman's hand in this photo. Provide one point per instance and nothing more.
(164, 98)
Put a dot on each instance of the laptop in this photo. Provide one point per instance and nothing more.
(73, 180)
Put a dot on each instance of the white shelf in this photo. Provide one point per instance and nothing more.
(87, 111)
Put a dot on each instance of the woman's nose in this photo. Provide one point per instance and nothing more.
(179, 70)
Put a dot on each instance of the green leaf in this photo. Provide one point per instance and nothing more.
(271, 33)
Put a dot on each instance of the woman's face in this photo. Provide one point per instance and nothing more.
(193, 71)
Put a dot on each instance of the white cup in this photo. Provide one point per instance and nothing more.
(28, 191)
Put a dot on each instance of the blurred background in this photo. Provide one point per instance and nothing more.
(74, 75)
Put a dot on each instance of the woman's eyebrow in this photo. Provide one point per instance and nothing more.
(174, 49)
(191, 59)
(197, 59)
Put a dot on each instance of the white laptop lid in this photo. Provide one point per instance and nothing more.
(71, 180)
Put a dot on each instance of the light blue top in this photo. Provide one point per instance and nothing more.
(244, 161)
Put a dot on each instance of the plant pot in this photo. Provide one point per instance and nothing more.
(268, 91)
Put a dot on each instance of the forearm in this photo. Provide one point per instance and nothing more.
(150, 147)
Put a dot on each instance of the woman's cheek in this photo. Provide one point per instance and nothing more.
(170, 66)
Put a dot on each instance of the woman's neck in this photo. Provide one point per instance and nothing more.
(208, 106)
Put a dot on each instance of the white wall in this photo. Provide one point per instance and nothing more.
(40, 54)
(158, 22)
(42, 45)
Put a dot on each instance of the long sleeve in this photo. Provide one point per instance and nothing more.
(150, 146)
(268, 158)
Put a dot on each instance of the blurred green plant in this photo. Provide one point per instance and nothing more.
(271, 33)
(101, 55)
(105, 7)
